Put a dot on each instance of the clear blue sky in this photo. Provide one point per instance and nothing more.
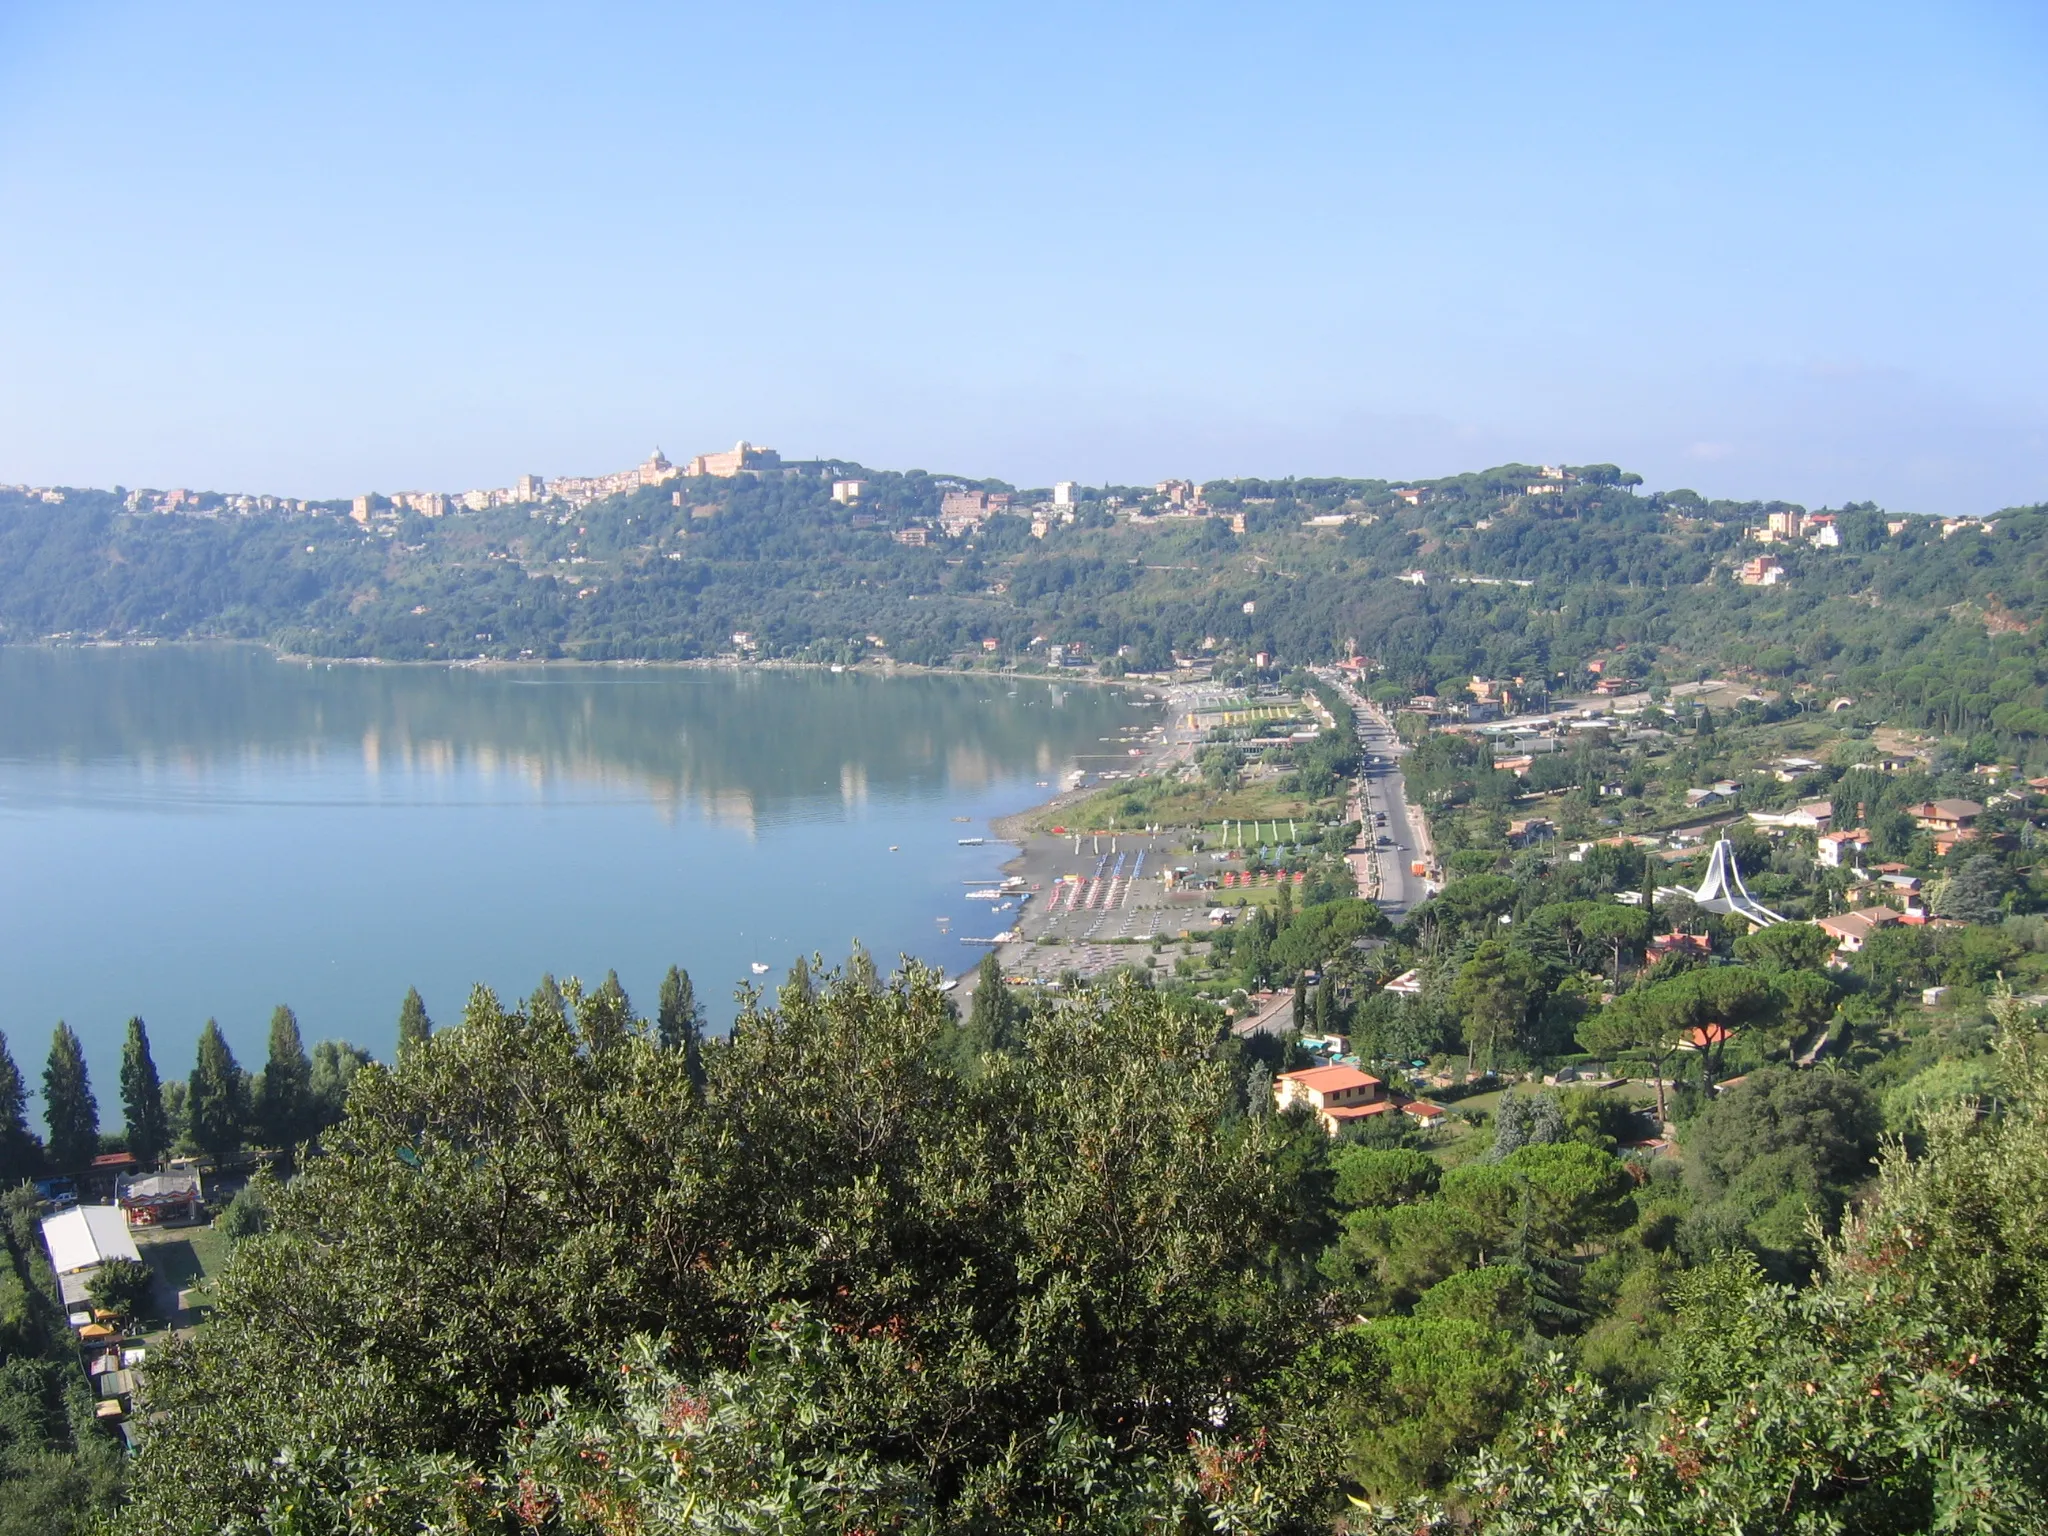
(1773, 249)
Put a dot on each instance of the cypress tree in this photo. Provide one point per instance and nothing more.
(68, 1107)
(615, 995)
(177, 1122)
(284, 1115)
(413, 1024)
(605, 1017)
(797, 989)
(995, 1018)
(21, 1154)
(679, 1022)
(335, 1065)
(1299, 1016)
(860, 969)
(547, 1005)
(142, 1096)
(216, 1097)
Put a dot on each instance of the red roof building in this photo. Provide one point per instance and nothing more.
(1336, 1094)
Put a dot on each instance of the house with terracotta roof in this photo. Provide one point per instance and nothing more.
(1336, 1094)
(1407, 984)
(1951, 821)
(1850, 930)
(1676, 943)
(1838, 850)
(1946, 815)
(1706, 1037)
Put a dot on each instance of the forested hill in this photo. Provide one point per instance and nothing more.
(1519, 581)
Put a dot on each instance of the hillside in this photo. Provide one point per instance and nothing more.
(1518, 582)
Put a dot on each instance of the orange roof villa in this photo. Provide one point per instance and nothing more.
(1341, 1094)
(1336, 1094)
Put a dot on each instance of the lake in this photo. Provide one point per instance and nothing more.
(207, 832)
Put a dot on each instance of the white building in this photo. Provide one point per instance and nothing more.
(1063, 493)
(847, 492)
(80, 1240)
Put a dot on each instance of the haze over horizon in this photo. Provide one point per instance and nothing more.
(1763, 253)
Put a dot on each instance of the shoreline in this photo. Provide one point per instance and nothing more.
(882, 668)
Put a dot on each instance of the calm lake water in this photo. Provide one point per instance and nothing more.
(188, 833)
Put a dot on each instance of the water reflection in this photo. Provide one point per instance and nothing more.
(743, 748)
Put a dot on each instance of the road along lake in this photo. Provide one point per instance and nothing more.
(193, 832)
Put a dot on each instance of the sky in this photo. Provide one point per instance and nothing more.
(1775, 250)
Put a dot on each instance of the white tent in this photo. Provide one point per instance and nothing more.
(87, 1235)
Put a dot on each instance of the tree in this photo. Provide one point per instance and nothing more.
(1631, 1025)
(860, 969)
(142, 1097)
(216, 1103)
(1001, 1270)
(68, 1106)
(1491, 996)
(1387, 1256)
(1374, 1176)
(614, 994)
(1973, 893)
(177, 1118)
(284, 1109)
(21, 1154)
(547, 1003)
(1441, 1387)
(796, 987)
(1786, 947)
(1704, 1006)
(995, 1019)
(1890, 1396)
(1613, 925)
(335, 1065)
(679, 1022)
(413, 1024)
(1526, 1120)
(122, 1285)
(1828, 1120)
(248, 1214)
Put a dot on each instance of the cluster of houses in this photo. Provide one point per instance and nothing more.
(82, 1240)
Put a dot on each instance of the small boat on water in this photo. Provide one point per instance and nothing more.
(972, 842)
(893, 848)
(987, 893)
(758, 968)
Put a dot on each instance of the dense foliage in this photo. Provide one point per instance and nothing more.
(58, 1472)
(1037, 1293)
(1903, 1392)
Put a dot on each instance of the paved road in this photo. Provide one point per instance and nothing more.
(1383, 792)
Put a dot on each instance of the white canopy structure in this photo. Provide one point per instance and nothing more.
(1723, 891)
(86, 1236)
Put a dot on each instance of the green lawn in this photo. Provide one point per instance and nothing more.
(185, 1258)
